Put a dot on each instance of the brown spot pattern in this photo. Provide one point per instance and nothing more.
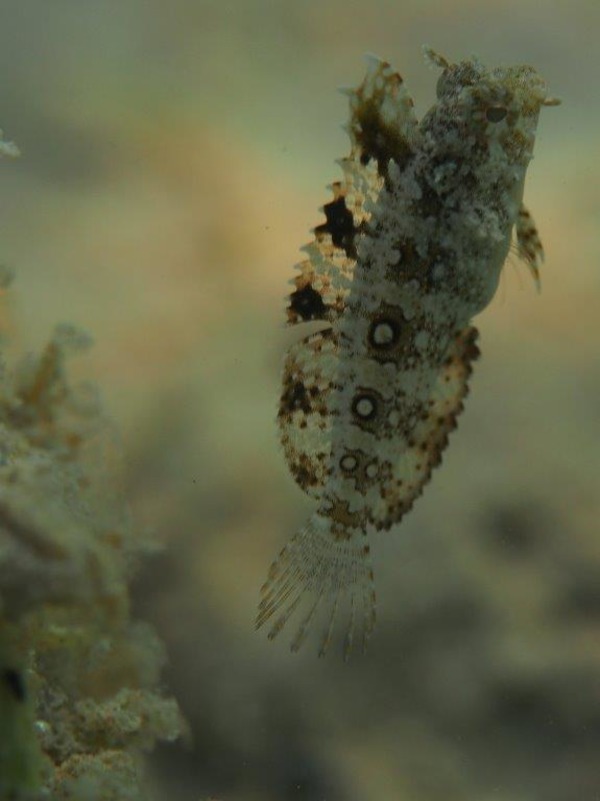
(430, 434)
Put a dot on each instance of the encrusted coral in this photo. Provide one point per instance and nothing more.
(79, 679)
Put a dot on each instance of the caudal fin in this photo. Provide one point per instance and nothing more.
(321, 576)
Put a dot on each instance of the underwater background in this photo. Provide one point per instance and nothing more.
(174, 156)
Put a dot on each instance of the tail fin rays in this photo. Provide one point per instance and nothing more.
(328, 574)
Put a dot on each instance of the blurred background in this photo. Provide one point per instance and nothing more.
(174, 159)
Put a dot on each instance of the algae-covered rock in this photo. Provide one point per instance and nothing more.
(79, 695)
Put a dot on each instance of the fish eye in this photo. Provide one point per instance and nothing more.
(495, 113)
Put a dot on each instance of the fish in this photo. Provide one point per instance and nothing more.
(412, 247)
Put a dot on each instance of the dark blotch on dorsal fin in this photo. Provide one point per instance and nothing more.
(340, 225)
(308, 304)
